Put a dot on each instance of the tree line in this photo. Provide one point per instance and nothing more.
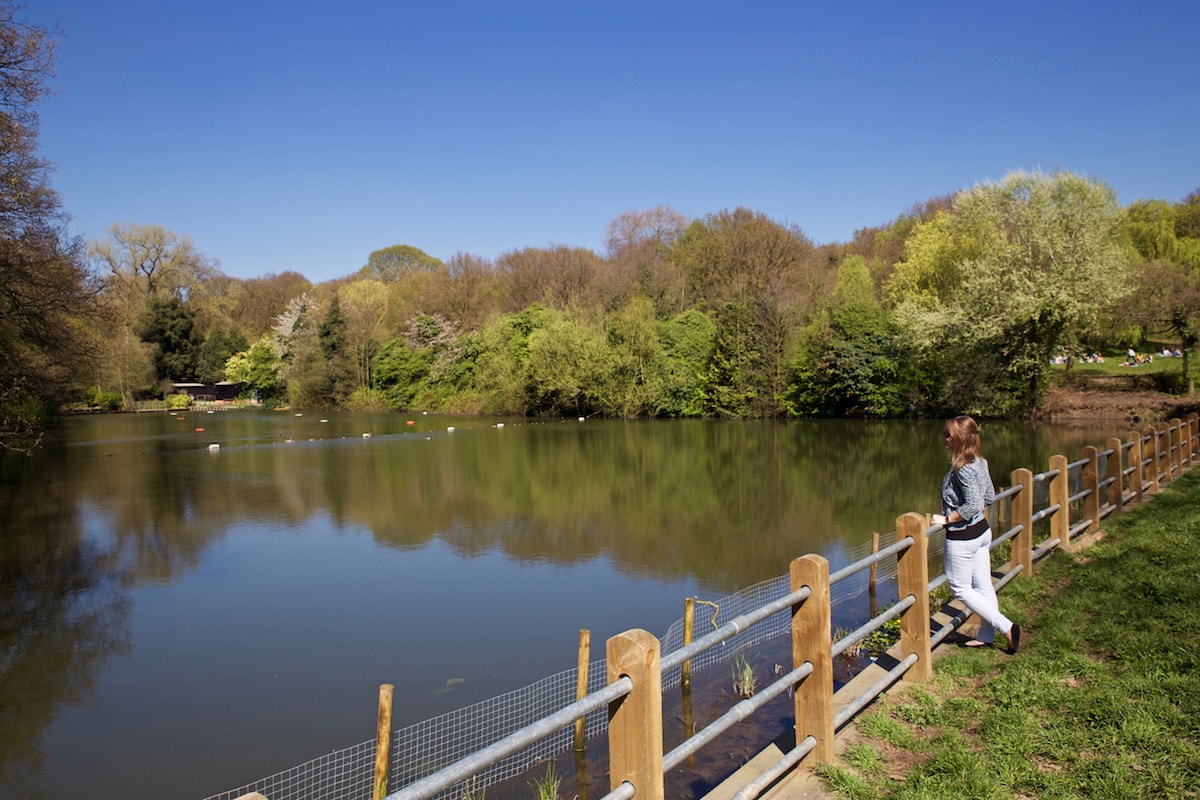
(958, 305)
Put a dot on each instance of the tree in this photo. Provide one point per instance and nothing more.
(216, 351)
(364, 304)
(764, 280)
(1187, 230)
(259, 368)
(256, 302)
(853, 367)
(568, 367)
(1167, 298)
(854, 284)
(168, 324)
(1151, 228)
(1016, 268)
(46, 291)
(399, 370)
(635, 379)
(737, 369)
(1187, 216)
(639, 247)
(471, 295)
(141, 263)
(558, 277)
(502, 365)
(688, 341)
(335, 376)
(316, 366)
(852, 363)
(150, 260)
(391, 263)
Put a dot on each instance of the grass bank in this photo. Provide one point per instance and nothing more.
(1103, 701)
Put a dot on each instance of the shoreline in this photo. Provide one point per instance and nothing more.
(1064, 403)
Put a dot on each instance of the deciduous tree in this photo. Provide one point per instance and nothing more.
(558, 277)
(45, 288)
(364, 305)
(639, 244)
(259, 368)
(1014, 269)
(152, 260)
(390, 263)
(688, 341)
(1167, 298)
(1150, 225)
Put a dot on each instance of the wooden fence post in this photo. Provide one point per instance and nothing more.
(1162, 454)
(912, 575)
(1113, 469)
(1194, 432)
(383, 740)
(1150, 459)
(1185, 444)
(1022, 514)
(871, 583)
(1060, 492)
(689, 619)
(1091, 483)
(1176, 448)
(635, 740)
(812, 642)
(1137, 481)
(581, 683)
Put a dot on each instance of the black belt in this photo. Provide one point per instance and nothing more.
(972, 531)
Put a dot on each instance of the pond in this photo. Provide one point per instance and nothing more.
(194, 601)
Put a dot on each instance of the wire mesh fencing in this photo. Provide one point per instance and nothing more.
(424, 748)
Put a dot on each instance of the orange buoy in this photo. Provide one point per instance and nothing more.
(199, 430)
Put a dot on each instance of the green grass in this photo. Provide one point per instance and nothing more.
(1103, 701)
(744, 680)
(546, 787)
(1112, 366)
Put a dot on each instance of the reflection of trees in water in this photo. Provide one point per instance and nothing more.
(727, 503)
(61, 619)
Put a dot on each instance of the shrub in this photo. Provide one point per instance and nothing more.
(365, 399)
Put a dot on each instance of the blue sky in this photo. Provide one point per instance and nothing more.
(301, 136)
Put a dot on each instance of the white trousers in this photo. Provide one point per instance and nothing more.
(968, 566)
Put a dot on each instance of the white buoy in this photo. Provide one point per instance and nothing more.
(499, 424)
(450, 429)
(581, 419)
(366, 436)
(324, 420)
(214, 447)
(299, 415)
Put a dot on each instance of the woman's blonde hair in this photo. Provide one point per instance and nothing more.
(962, 434)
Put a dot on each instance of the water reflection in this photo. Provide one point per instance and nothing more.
(62, 617)
(282, 577)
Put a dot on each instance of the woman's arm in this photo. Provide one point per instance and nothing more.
(977, 494)
(977, 488)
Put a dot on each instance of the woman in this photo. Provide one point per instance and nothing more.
(967, 492)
